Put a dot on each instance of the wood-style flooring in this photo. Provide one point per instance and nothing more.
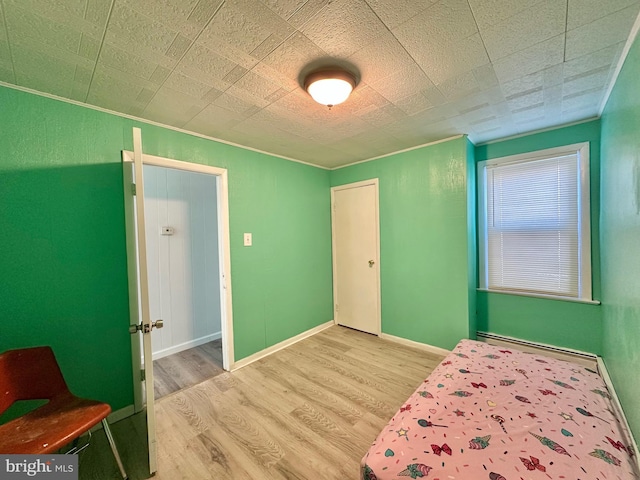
(187, 368)
(309, 411)
(97, 463)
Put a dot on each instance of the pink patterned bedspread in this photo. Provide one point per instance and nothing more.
(492, 413)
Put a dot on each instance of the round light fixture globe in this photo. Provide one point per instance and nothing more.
(330, 87)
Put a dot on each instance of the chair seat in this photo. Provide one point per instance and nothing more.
(51, 426)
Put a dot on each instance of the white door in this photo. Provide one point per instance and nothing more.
(139, 290)
(356, 257)
(138, 275)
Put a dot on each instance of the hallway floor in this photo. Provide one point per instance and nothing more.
(187, 368)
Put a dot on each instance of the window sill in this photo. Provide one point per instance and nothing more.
(540, 295)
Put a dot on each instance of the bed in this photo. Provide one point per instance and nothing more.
(495, 413)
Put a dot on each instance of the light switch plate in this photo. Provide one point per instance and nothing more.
(247, 240)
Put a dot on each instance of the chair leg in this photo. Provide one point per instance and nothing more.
(114, 449)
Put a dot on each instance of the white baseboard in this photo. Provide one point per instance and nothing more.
(576, 356)
(116, 416)
(604, 373)
(418, 345)
(165, 352)
(279, 346)
(121, 414)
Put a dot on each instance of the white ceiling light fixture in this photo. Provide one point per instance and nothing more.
(330, 87)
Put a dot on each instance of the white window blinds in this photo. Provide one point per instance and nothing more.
(533, 226)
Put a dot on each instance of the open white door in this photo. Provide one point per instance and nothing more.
(139, 290)
(138, 275)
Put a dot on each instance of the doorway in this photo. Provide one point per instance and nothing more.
(181, 219)
(138, 272)
(356, 255)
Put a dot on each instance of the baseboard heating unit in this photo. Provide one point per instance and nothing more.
(582, 358)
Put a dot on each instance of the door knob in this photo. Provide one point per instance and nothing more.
(371, 263)
(142, 327)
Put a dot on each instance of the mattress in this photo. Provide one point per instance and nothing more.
(492, 413)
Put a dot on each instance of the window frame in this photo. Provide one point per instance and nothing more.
(585, 289)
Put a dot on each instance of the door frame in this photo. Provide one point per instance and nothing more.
(364, 183)
(224, 249)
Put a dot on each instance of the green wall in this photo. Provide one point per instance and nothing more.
(620, 236)
(427, 258)
(555, 322)
(63, 240)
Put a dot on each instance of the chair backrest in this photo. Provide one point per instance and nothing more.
(29, 374)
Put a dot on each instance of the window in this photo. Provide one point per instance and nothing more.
(534, 223)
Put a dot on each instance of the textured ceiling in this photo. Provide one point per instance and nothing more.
(231, 69)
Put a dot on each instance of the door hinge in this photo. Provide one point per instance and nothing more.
(133, 189)
(143, 375)
(337, 308)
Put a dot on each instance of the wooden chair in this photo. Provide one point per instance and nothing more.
(34, 374)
